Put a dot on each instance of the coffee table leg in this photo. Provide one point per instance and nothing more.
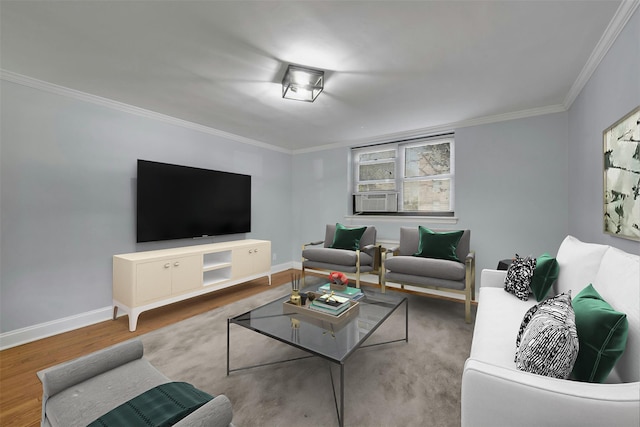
(406, 320)
(228, 322)
(341, 419)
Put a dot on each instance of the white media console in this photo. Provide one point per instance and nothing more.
(146, 280)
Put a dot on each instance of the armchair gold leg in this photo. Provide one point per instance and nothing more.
(381, 277)
(467, 306)
(303, 260)
(358, 269)
(470, 287)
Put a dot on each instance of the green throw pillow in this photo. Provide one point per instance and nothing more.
(544, 275)
(602, 332)
(347, 238)
(441, 245)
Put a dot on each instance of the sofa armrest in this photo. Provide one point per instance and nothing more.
(317, 242)
(392, 250)
(492, 278)
(497, 396)
(215, 413)
(60, 377)
(65, 375)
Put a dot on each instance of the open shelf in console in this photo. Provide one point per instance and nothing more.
(214, 277)
(216, 260)
(216, 268)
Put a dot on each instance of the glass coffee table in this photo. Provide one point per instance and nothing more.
(332, 341)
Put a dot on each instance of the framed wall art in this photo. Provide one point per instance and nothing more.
(622, 177)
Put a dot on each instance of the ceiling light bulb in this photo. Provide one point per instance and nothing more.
(302, 84)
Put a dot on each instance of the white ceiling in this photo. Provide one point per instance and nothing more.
(393, 68)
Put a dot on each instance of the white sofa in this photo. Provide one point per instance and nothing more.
(495, 393)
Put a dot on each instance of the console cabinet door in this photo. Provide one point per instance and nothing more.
(161, 279)
(251, 260)
(153, 281)
(262, 258)
(186, 274)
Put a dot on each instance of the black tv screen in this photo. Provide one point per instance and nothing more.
(176, 202)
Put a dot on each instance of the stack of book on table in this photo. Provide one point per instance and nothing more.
(330, 304)
(349, 292)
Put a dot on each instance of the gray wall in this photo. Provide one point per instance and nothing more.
(510, 189)
(612, 91)
(68, 171)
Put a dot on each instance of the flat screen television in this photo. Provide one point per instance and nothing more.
(176, 202)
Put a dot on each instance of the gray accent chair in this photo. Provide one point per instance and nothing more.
(400, 266)
(77, 392)
(365, 260)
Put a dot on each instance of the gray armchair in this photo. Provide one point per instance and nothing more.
(365, 259)
(400, 266)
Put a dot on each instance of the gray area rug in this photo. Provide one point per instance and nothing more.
(398, 384)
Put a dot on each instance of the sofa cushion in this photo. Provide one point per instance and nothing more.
(548, 343)
(347, 238)
(519, 275)
(496, 326)
(439, 245)
(544, 276)
(603, 336)
(417, 266)
(579, 263)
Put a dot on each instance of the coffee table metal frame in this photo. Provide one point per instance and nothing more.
(269, 312)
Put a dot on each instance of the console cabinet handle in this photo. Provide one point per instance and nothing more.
(167, 265)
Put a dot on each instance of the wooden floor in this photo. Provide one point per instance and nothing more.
(20, 389)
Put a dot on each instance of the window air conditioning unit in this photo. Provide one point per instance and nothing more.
(377, 202)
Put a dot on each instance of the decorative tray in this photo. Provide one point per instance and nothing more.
(288, 308)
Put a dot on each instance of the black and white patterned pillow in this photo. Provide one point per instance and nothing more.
(547, 343)
(525, 321)
(519, 275)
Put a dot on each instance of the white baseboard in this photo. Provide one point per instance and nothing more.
(44, 330)
(282, 267)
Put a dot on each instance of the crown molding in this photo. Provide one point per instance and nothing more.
(617, 23)
(432, 130)
(126, 108)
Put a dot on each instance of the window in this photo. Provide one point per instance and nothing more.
(419, 174)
